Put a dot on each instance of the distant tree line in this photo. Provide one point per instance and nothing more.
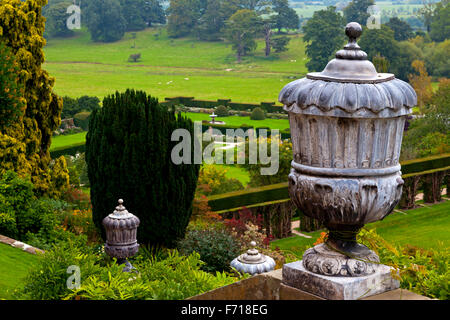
(106, 20)
(393, 47)
(238, 21)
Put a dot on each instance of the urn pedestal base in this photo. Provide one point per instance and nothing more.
(339, 288)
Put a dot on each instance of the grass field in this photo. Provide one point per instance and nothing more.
(425, 227)
(66, 140)
(14, 266)
(170, 67)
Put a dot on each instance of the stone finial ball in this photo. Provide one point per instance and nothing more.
(353, 30)
(253, 244)
(120, 201)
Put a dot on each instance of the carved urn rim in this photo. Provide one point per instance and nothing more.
(349, 86)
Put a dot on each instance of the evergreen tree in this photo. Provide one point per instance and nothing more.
(128, 154)
(325, 35)
(25, 144)
(105, 20)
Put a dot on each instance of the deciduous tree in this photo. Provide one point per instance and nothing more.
(241, 30)
(324, 33)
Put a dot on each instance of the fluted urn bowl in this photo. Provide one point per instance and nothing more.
(347, 125)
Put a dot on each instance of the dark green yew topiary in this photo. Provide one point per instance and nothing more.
(222, 111)
(128, 153)
(258, 114)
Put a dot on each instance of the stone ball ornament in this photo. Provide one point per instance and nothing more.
(121, 230)
(347, 126)
(253, 262)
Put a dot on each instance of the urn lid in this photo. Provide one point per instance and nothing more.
(349, 86)
(253, 262)
(121, 212)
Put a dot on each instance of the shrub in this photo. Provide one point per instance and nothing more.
(216, 246)
(134, 57)
(16, 201)
(128, 153)
(47, 279)
(174, 277)
(215, 178)
(258, 114)
(222, 111)
(8, 225)
(81, 120)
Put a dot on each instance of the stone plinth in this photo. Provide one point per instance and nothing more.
(339, 288)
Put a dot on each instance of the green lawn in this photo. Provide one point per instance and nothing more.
(14, 265)
(424, 227)
(66, 140)
(234, 171)
(237, 121)
(170, 67)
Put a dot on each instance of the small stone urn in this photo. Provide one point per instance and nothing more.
(253, 262)
(347, 125)
(121, 228)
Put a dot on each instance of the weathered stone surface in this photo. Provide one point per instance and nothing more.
(291, 293)
(338, 288)
(264, 286)
(268, 286)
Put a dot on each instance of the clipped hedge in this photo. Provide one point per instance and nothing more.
(431, 181)
(238, 199)
(425, 164)
(269, 107)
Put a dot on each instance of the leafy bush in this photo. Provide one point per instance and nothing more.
(16, 201)
(169, 276)
(47, 279)
(284, 164)
(216, 246)
(81, 119)
(215, 178)
(258, 114)
(8, 225)
(425, 272)
(73, 106)
(222, 111)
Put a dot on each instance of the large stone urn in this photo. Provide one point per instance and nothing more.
(347, 125)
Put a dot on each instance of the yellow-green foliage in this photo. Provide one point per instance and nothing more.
(59, 177)
(21, 29)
